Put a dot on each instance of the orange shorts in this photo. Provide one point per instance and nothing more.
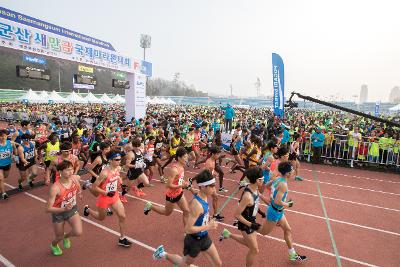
(105, 202)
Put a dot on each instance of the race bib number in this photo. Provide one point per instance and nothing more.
(69, 202)
(205, 219)
(53, 153)
(65, 135)
(5, 154)
(180, 181)
(112, 186)
(75, 152)
(30, 155)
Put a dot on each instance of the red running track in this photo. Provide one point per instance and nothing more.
(362, 206)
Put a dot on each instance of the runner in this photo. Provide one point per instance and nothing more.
(294, 155)
(175, 183)
(66, 154)
(246, 214)
(27, 161)
(276, 210)
(62, 206)
(6, 152)
(197, 227)
(106, 186)
(51, 149)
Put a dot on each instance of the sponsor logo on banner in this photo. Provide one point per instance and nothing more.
(85, 69)
(32, 59)
(278, 82)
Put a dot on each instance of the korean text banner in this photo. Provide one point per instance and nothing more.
(21, 36)
(278, 80)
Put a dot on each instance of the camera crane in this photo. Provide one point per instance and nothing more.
(291, 104)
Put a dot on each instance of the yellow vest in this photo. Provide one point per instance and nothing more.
(52, 151)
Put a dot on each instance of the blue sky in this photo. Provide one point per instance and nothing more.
(330, 48)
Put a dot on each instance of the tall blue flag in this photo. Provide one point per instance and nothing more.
(278, 80)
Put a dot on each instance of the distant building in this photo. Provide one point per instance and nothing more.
(363, 94)
(394, 96)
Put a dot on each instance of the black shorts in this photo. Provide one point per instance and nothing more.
(149, 163)
(245, 228)
(64, 216)
(189, 149)
(193, 245)
(174, 199)
(234, 152)
(5, 168)
(47, 163)
(23, 167)
(133, 174)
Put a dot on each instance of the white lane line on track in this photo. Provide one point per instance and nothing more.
(227, 225)
(6, 262)
(323, 218)
(269, 237)
(353, 176)
(331, 198)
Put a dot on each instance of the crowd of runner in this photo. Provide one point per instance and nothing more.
(70, 140)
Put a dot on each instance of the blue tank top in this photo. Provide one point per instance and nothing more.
(20, 133)
(203, 218)
(274, 191)
(6, 153)
(29, 152)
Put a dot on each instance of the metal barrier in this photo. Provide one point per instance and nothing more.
(364, 152)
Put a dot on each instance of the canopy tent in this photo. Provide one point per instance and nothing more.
(56, 98)
(170, 101)
(395, 108)
(30, 97)
(118, 99)
(75, 98)
(105, 99)
(44, 96)
(90, 98)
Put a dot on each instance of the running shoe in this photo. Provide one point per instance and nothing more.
(222, 190)
(109, 212)
(136, 191)
(141, 193)
(218, 217)
(298, 178)
(124, 242)
(224, 235)
(235, 222)
(56, 250)
(66, 243)
(20, 187)
(31, 184)
(4, 196)
(297, 257)
(86, 210)
(123, 198)
(242, 184)
(147, 208)
(159, 253)
(162, 179)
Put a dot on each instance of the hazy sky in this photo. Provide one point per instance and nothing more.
(328, 47)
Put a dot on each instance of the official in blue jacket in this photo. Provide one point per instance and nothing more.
(229, 115)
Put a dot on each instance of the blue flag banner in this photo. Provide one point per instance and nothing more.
(377, 106)
(278, 81)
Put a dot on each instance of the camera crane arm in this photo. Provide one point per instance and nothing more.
(290, 104)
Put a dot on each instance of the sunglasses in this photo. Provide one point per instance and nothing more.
(66, 150)
(117, 159)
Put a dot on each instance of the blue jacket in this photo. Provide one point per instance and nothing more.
(229, 112)
(318, 139)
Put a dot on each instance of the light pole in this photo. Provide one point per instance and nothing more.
(145, 42)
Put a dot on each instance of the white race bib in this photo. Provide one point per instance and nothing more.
(112, 186)
(71, 201)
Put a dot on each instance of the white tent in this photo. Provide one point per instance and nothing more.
(118, 99)
(91, 98)
(44, 96)
(75, 98)
(56, 98)
(170, 101)
(395, 108)
(31, 97)
(105, 99)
